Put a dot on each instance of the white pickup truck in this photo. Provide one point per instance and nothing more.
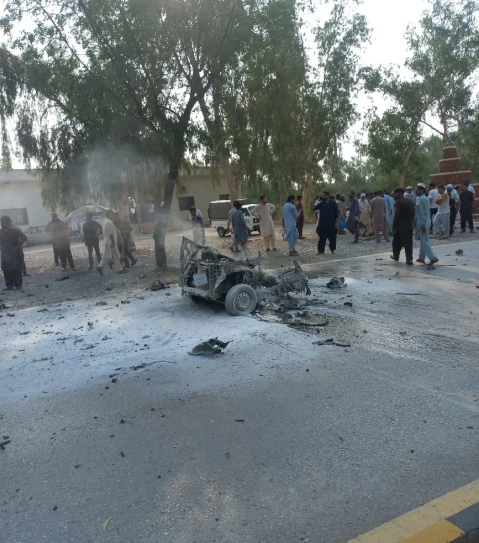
(218, 215)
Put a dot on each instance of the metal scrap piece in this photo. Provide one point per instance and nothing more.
(209, 348)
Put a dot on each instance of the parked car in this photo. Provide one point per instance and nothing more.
(218, 214)
(37, 235)
(77, 218)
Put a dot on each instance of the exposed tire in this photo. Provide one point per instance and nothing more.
(221, 231)
(241, 300)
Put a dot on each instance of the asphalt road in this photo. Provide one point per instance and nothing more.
(276, 441)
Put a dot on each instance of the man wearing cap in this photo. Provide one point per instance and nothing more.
(365, 214)
(423, 224)
(453, 207)
(410, 194)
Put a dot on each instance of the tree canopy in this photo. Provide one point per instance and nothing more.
(110, 98)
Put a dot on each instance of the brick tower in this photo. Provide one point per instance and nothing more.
(450, 171)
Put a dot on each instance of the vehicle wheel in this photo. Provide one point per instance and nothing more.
(221, 231)
(241, 300)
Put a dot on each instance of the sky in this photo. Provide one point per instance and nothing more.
(389, 21)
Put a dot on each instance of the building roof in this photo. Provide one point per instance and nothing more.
(17, 176)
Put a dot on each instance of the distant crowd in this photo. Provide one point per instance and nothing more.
(403, 213)
(117, 250)
(400, 213)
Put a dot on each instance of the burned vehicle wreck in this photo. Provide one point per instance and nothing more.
(241, 285)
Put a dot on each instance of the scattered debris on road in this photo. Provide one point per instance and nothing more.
(63, 278)
(337, 283)
(209, 348)
(459, 252)
(331, 341)
(157, 285)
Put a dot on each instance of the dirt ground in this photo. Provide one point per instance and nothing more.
(48, 284)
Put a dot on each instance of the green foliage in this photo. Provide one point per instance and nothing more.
(445, 56)
(110, 74)
(336, 78)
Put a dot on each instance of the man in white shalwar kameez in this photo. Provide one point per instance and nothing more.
(263, 211)
(111, 254)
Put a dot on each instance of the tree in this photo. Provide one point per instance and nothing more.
(113, 73)
(252, 114)
(445, 56)
(329, 108)
(393, 138)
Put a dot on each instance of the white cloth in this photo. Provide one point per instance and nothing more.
(110, 254)
(264, 214)
(433, 194)
(443, 203)
(470, 188)
(441, 222)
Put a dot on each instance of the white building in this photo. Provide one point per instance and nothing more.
(21, 198)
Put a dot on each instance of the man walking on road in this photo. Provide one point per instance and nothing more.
(432, 195)
(91, 233)
(111, 254)
(365, 214)
(300, 217)
(328, 223)
(403, 226)
(264, 211)
(467, 198)
(423, 224)
(239, 228)
(352, 223)
(453, 207)
(289, 214)
(378, 215)
(49, 229)
(389, 203)
(11, 241)
(124, 225)
(62, 244)
(196, 218)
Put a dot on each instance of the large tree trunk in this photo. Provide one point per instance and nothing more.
(164, 210)
(230, 177)
(308, 187)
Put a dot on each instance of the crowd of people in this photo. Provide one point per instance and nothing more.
(117, 241)
(381, 214)
(401, 214)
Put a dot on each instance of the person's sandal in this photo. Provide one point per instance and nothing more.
(420, 260)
